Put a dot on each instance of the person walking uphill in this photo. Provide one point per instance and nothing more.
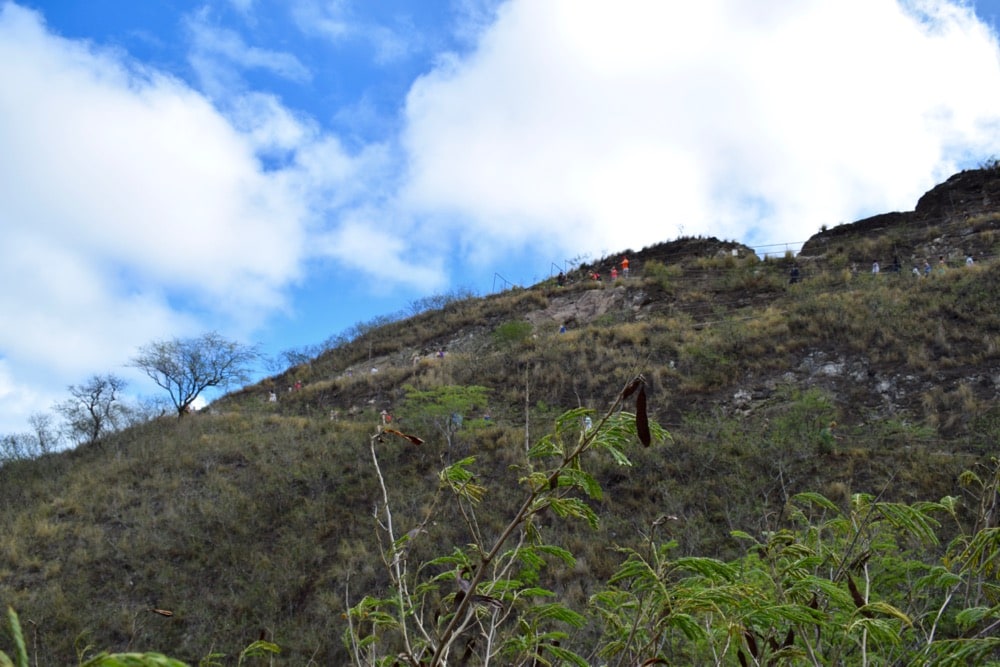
(624, 267)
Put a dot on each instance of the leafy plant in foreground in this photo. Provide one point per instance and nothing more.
(485, 599)
(835, 587)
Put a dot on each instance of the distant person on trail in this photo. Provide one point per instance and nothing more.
(875, 268)
(896, 266)
(561, 279)
(625, 267)
(927, 268)
(941, 264)
(614, 273)
(596, 276)
(969, 261)
(793, 275)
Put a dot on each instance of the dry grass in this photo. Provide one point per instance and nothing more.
(259, 518)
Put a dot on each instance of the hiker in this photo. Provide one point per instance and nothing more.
(614, 273)
(969, 261)
(927, 268)
(793, 275)
(561, 279)
(875, 268)
(588, 423)
(624, 267)
(272, 397)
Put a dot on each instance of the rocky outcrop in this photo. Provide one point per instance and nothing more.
(951, 220)
(580, 308)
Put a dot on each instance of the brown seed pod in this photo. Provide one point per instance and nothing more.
(641, 418)
(412, 438)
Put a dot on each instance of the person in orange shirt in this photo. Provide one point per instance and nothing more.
(625, 267)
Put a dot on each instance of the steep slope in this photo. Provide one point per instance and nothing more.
(257, 519)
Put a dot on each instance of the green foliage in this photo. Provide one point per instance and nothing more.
(17, 636)
(804, 421)
(661, 275)
(445, 409)
(482, 599)
(824, 589)
(512, 333)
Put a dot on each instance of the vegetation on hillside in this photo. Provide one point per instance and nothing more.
(827, 496)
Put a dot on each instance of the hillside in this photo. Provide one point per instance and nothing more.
(260, 520)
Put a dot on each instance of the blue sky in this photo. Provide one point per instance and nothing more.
(282, 170)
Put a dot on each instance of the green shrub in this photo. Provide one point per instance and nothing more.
(512, 333)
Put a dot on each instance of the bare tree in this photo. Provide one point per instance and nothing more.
(17, 446)
(186, 367)
(46, 431)
(94, 409)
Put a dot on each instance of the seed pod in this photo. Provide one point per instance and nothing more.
(641, 418)
(412, 438)
(632, 386)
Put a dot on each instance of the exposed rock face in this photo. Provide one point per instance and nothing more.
(968, 191)
(579, 308)
(957, 212)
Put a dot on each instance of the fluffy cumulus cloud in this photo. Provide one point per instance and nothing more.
(621, 124)
(134, 210)
(122, 170)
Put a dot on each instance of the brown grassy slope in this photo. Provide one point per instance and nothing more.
(256, 519)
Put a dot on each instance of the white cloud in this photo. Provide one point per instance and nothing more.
(337, 23)
(134, 169)
(134, 210)
(328, 19)
(242, 6)
(18, 401)
(617, 125)
(220, 56)
(364, 243)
